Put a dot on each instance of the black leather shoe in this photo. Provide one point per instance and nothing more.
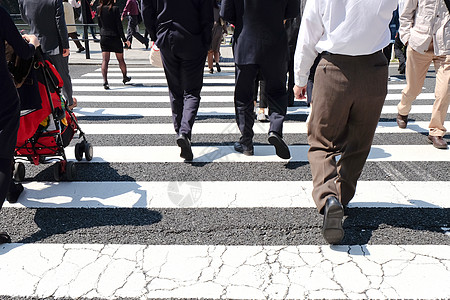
(239, 148)
(185, 144)
(333, 213)
(281, 148)
(15, 189)
(4, 238)
(402, 121)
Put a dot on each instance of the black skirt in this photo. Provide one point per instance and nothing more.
(111, 44)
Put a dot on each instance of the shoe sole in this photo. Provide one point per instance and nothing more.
(245, 152)
(281, 149)
(186, 151)
(332, 230)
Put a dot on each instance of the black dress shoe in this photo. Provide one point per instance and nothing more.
(239, 148)
(106, 86)
(185, 144)
(15, 189)
(332, 221)
(4, 238)
(281, 148)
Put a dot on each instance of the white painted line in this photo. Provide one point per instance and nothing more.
(211, 111)
(422, 96)
(145, 89)
(264, 153)
(240, 272)
(147, 99)
(99, 81)
(231, 128)
(204, 98)
(233, 194)
(165, 112)
(155, 89)
(137, 74)
(150, 68)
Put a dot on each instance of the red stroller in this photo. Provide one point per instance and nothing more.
(44, 133)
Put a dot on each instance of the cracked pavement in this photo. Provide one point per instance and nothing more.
(246, 272)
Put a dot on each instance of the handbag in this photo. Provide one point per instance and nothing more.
(18, 67)
(155, 57)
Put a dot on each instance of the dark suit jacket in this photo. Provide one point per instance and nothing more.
(46, 20)
(183, 27)
(259, 32)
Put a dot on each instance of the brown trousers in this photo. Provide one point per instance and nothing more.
(417, 65)
(349, 93)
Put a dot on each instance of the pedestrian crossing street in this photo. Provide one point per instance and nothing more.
(140, 223)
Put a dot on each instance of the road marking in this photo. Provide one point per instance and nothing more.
(216, 81)
(231, 128)
(158, 89)
(233, 194)
(209, 111)
(266, 153)
(203, 271)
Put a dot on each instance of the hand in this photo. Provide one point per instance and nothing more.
(121, 18)
(128, 43)
(32, 39)
(299, 92)
(66, 52)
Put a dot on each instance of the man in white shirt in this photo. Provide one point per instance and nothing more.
(350, 87)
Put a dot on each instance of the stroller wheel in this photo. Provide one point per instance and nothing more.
(88, 151)
(79, 150)
(57, 172)
(19, 171)
(71, 171)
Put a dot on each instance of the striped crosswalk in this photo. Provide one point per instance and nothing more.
(140, 223)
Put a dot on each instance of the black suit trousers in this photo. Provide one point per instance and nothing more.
(185, 81)
(274, 75)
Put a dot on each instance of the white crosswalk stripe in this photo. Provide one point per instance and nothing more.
(247, 249)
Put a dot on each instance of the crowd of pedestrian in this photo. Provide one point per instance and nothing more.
(336, 56)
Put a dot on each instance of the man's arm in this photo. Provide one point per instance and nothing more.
(292, 9)
(407, 19)
(61, 25)
(207, 21)
(311, 30)
(228, 11)
(148, 8)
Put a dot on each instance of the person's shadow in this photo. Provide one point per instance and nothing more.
(418, 223)
(85, 217)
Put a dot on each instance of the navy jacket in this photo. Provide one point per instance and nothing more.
(181, 26)
(259, 32)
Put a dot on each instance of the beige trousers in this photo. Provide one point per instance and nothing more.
(348, 93)
(417, 65)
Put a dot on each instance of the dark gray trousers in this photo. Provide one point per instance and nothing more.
(185, 81)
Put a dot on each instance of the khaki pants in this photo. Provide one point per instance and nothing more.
(417, 65)
(348, 93)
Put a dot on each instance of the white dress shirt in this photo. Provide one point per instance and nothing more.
(348, 27)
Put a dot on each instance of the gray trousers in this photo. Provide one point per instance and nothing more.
(62, 66)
